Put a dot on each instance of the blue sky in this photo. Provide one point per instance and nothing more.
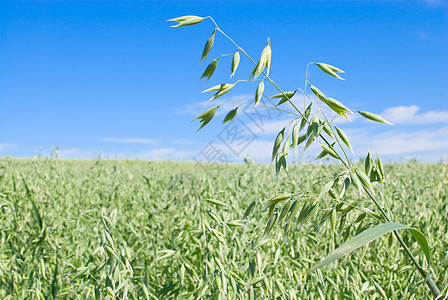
(114, 78)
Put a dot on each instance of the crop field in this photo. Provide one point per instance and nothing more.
(105, 229)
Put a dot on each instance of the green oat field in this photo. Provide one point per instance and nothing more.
(110, 229)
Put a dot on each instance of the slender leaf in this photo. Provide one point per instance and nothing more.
(369, 235)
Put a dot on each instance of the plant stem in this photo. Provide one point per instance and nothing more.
(429, 282)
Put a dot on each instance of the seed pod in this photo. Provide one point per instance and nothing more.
(215, 217)
(373, 117)
(249, 209)
(206, 116)
(235, 63)
(295, 137)
(271, 222)
(329, 150)
(277, 142)
(210, 69)
(259, 93)
(368, 163)
(285, 210)
(306, 114)
(208, 46)
(330, 70)
(216, 202)
(187, 21)
(343, 137)
(336, 106)
(363, 179)
(380, 166)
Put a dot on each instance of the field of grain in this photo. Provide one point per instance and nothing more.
(104, 229)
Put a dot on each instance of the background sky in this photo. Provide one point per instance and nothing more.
(113, 78)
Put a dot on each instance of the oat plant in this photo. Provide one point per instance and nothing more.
(308, 126)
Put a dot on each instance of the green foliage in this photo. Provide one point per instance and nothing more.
(174, 231)
(332, 145)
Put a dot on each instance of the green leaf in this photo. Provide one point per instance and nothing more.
(443, 293)
(235, 63)
(210, 69)
(258, 93)
(330, 70)
(373, 117)
(186, 21)
(369, 235)
(343, 137)
(208, 46)
(230, 115)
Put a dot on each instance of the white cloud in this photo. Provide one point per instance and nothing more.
(410, 115)
(267, 127)
(5, 146)
(398, 142)
(130, 140)
(76, 153)
(160, 154)
(183, 142)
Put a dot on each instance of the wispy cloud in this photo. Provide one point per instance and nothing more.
(160, 154)
(76, 153)
(400, 142)
(410, 115)
(4, 147)
(198, 107)
(183, 142)
(130, 140)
